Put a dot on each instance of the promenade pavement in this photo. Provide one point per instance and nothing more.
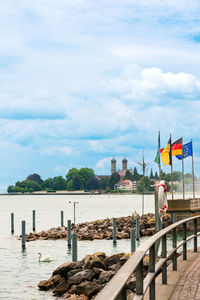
(183, 284)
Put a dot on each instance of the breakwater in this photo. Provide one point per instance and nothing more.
(102, 229)
(82, 280)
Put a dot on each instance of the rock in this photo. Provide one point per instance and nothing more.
(114, 259)
(45, 285)
(95, 261)
(86, 274)
(76, 297)
(105, 276)
(66, 267)
(115, 267)
(61, 288)
(124, 258)
(131, 283)
(73, 272)
(56, 278)
(87, 288)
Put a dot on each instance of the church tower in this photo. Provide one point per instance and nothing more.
(124, 164)
(113, 165)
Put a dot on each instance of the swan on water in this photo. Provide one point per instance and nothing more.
(45, 258)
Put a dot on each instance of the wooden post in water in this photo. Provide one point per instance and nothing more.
(74, 247)
(62, 218)
(132, 235)
(33, 220)
(114, 231)
(137, 222)
(12, 223)
(69, 233)
(23, 234)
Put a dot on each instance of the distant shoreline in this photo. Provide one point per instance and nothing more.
(67, 193)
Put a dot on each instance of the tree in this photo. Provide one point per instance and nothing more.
(35, 177)
(84, 174)
(71, 174)
(143, 185)
(136, 176)
(103, 183)
(48, 183)
(156, 176)
(92, 183)
(59, 183)
(128, 175)
(114, 178)
(151, 174)
(70, 185)
(76, 183)
(10, 189)
(29, 184)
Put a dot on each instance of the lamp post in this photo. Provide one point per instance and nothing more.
(74, 202)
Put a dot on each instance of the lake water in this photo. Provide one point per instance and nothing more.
(20, 270)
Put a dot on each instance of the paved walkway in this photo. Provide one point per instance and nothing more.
(183, 284)
(188, 286)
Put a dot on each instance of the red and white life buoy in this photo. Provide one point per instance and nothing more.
(162, 197)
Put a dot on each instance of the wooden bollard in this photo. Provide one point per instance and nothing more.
(137, 228)
(12, 223)
(132, 235)
(74, 247)
(62, 218)
(23, 234)
(114, 230)
(33, 220)
(69, 233)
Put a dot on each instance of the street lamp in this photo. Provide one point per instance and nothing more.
(74, 202)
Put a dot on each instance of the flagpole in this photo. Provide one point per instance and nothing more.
(159, 154)
(193, 172)
(172, 185)
(183, 172)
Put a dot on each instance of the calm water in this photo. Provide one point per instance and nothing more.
(20, 271)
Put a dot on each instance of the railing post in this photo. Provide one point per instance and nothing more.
(175, 253)
(184, 239)
(33, 220)
(132, 234)
(195, 234)
(12, 222)
(114, 230)
(164, 254)
(139, 279)
(152, 270)
(137, 228)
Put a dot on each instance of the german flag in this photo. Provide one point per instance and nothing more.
(166, 155)
(177, 147)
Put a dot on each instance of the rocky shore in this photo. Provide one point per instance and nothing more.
(102, 229)
(82, 280)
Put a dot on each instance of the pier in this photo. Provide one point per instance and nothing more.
(161, 281)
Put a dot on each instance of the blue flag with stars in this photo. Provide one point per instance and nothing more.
(187, 151)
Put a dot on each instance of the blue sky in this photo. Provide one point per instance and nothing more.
(81, 81)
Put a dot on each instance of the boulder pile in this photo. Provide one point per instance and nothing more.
(82, 280)
(102, 229)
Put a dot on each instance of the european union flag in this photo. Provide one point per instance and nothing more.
(187, 151)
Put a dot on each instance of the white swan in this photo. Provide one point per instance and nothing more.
(45, 258)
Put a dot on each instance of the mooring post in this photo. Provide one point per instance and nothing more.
(174, 218)
(69, 233)
(33, 220)
(74, 247)
(132, 234)
(114, 230)
(137, 228)
(12, 222)
(23, 234)
(62, 218)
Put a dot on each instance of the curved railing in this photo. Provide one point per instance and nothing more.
(116, 287)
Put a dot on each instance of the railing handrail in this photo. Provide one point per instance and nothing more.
(113, 288)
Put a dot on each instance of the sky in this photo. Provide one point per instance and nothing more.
(82, 81)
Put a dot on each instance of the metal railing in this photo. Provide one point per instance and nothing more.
(116, 287)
